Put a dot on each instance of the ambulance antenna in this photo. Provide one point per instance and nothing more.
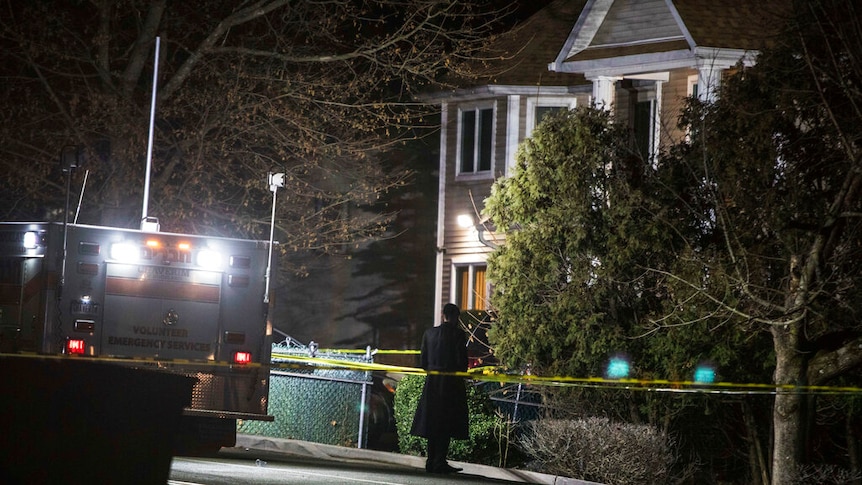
(71, 158)
(81, 197)
(150, 141)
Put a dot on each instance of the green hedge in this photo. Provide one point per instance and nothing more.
(489, 431)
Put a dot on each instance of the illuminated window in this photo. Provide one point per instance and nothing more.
(471, 287)
(476, 140)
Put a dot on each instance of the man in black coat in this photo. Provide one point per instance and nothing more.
(442, 411)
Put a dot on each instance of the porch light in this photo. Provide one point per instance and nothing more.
(465, 221)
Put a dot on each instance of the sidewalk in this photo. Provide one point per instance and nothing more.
(340, 453)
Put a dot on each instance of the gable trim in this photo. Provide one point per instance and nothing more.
(585, 29)
(658, 61)
(682, 27)
(494, 90)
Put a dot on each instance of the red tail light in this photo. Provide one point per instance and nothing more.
(76, 347)
(242, 357)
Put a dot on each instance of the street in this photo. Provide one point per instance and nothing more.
(273, 468)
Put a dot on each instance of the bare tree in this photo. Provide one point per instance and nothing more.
(314, 89)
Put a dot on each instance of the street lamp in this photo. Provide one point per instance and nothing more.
(275, 180)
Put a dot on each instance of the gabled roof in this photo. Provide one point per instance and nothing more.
(562, 44)
(619, 36)
(523, 53)
(517, 61)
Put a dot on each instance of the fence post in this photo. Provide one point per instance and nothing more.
(362, 405)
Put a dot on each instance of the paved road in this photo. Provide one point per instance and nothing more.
(263, 460)
(270, 469)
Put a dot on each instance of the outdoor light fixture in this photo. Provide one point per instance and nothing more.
(466, 221)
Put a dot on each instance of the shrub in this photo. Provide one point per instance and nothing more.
(488, 437)
(824, 474)
(599, 450)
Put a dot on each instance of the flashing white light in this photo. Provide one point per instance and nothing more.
(31, 240)
(125, 252)
(209, 259)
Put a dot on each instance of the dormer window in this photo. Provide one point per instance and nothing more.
(476, 140)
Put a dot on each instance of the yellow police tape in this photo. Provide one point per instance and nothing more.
(488, 374)
(494, 374)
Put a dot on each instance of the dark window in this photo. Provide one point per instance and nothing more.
(643, 128)
(543, 111)
(477, 137)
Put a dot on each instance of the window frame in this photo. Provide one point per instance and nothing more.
(476, 108)
(692, 85)
(455, 285)
(534, 103)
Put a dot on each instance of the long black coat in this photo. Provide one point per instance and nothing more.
(442, 409)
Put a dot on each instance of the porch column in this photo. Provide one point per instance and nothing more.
(708, 82)
(604, 91)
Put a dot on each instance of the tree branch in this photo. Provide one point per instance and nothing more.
(826, 365)
(247, 14)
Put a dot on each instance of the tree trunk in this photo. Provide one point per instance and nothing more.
(789, 404)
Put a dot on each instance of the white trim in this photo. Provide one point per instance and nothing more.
(679, 23)
(656, 134)
(469, 258)
(690, 83)
(513, 114)
(653, 40)
(604, 91)
(651, 76)
(660, 61)
(491, 90)
(471, 282)
(544, 102)
(633, 64)
(708, 82)
(441, 212)
(721, 58)
(584, 30)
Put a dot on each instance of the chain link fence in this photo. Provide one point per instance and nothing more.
(317, 404)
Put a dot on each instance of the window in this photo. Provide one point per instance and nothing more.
(539, 108)
(692, 86)
(477, 140)
(543, 111)
(471, 288)
(643, 125)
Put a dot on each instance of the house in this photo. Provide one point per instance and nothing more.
(638, 58)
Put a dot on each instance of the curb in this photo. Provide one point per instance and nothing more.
(342, 453)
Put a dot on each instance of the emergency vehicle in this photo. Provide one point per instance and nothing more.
(187, 304)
